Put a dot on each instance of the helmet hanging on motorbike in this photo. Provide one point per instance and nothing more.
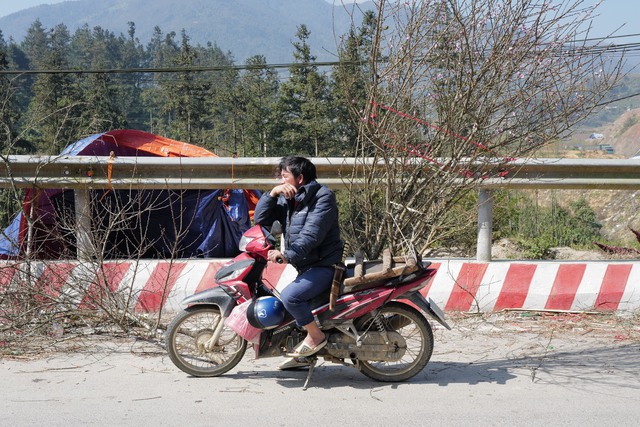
(265, 312)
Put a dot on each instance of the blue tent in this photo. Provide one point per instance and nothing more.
(134, 223)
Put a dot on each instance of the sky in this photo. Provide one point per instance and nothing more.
(613, 13)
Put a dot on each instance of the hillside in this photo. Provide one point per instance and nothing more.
(243, 27)
(616, 210)
(623, 134)
(620, 210)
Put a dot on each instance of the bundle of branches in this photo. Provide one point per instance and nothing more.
(620, 250)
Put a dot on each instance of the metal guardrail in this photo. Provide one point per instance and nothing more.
(569, 174)
(82, 173)
(76, 172)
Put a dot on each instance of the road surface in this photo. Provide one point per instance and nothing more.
(515, 369)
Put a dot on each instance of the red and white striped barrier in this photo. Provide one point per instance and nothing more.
(458, 285)
(147, 285)
(575, 286)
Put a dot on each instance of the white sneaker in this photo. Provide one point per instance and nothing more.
(294, 363)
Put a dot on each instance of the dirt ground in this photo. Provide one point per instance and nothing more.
(596, 326)
(508, 368)
(505, 249)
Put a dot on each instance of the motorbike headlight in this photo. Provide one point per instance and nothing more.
(231, 275)
(244, 241)
(234, 270)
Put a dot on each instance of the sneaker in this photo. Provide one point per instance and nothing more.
(294, 363)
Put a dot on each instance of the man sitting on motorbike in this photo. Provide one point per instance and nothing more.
(312, 242)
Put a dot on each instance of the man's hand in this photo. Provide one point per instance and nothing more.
(276, 256)
(287, 190)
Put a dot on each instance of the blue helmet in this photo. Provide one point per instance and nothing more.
(265, 312)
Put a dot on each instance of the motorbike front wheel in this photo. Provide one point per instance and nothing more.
(413, 352)
(189, 340)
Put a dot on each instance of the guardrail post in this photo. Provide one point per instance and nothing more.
(485, 225)
(83, 223)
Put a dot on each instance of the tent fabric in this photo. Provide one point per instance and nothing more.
(127, 142)
(143, 223)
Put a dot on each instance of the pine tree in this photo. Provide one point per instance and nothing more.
(8, 109)
(349, 84)
(185, 96)
(225, 135)
(256, 94)
(161, 51)
(35, 45)
(9, 127)
(130, 85)
(95, 50)
(305, 122)
(54, 109)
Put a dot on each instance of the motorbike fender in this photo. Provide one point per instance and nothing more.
(429, 307)
(212, 296)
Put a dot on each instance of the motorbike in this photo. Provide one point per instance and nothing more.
(374, 317)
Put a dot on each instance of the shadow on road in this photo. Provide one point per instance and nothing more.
(616, 365)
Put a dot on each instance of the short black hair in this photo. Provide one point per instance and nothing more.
(298, 165)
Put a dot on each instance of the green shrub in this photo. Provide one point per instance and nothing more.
(535, 248)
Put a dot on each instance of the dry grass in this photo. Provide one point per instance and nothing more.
(602, 327)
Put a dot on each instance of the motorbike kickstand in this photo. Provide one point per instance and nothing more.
(311, 367)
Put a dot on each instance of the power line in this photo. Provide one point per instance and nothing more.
(610, 37)
(602, 104)
(184, 69)
(626, 48)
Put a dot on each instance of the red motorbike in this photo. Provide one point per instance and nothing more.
(374, 318)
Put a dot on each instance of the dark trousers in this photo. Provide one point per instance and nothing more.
(309, 284)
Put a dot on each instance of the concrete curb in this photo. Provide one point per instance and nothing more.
(459, 285)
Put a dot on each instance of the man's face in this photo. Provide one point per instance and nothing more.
(286, 177)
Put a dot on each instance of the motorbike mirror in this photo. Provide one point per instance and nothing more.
(276, 228)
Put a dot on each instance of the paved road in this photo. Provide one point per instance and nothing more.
(496, 371)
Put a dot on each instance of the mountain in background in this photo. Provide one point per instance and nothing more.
(243, 27)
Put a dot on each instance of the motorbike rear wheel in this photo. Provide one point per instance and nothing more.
(188, 340)
(413, 354)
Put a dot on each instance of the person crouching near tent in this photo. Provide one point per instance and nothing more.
(312, 241)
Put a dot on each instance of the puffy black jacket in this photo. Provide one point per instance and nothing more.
(312, 234)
